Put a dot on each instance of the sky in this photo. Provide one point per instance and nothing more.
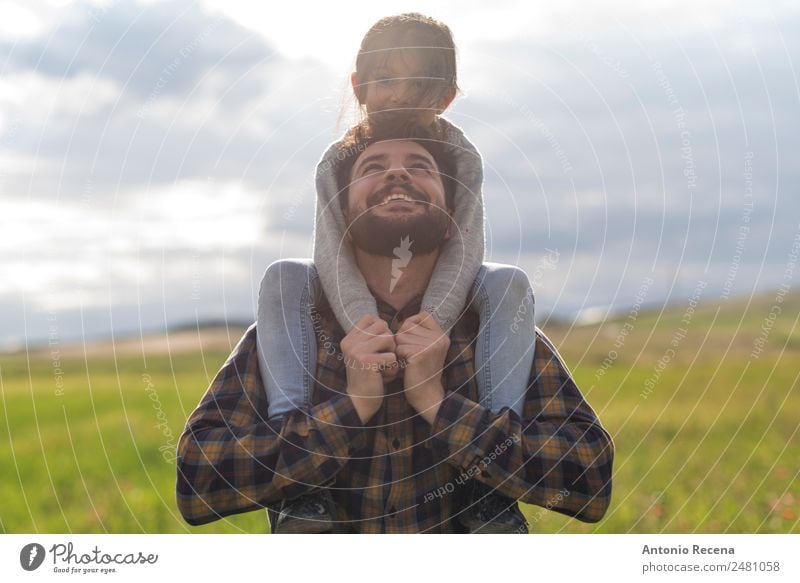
(156, 156)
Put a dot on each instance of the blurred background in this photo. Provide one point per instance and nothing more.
(640, 163)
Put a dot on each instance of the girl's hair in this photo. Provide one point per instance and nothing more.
(411, 35)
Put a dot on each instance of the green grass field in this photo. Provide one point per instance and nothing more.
(706, 437)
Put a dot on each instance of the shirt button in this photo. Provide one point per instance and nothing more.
(396, 443)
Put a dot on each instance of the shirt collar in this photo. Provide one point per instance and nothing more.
(395, 317)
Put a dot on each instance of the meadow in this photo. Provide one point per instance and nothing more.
(702, 402)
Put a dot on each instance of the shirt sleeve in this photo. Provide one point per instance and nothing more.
(232, 460)
(557, 456)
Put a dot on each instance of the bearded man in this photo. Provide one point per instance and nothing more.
(395, 432)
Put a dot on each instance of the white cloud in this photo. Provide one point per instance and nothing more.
(130, 170)
(200, 215)
(19, 21)
(84, 95)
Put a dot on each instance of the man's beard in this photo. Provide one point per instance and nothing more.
(380, 235)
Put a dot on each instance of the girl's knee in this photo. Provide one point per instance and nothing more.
(288, 275)
(508, 283)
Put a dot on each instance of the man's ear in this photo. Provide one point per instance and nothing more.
(358, 89)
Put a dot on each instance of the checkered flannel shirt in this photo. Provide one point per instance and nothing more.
(397, 474)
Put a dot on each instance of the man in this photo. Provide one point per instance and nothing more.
(395, 432)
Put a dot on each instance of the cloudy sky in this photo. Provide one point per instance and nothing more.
(156, 156)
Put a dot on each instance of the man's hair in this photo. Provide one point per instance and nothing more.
(411, 34)
(396, 128)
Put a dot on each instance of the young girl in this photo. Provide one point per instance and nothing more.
(406, 63)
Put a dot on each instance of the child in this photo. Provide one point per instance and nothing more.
(406, 63)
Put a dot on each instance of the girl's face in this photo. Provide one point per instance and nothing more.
(398, 84)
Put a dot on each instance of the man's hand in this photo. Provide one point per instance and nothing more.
(423, 345)
(368, 349)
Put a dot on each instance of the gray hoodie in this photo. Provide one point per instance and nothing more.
(459, 261)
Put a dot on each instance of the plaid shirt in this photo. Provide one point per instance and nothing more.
(397, 474)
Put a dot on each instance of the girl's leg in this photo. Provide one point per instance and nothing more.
(287, 346)
(503, 298)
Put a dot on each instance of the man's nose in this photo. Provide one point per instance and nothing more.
(397, 174)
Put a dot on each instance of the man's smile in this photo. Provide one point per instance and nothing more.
(397, 195)
(397, 205)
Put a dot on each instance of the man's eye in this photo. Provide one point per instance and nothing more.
(372, 168)
(420, 168)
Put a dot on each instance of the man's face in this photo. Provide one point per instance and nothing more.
(396, 191)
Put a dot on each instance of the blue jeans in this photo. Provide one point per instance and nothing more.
(287, 344)
(503, 298)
